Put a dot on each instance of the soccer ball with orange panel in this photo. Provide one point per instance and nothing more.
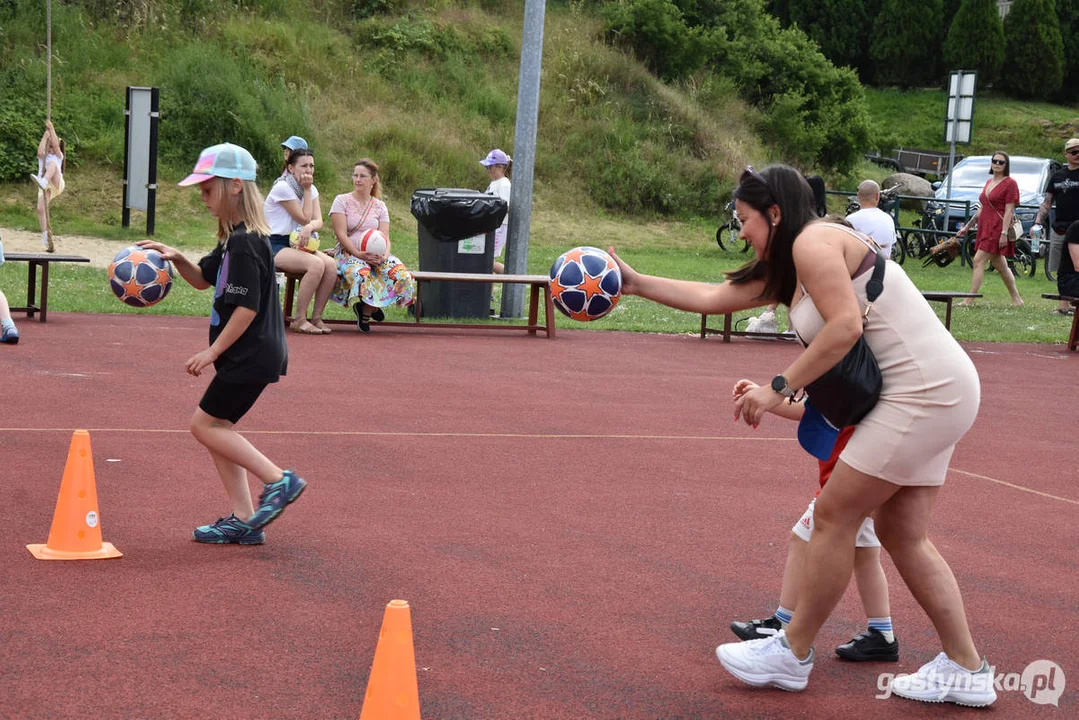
(586, 283)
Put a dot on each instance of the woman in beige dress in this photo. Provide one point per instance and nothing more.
(894, 465)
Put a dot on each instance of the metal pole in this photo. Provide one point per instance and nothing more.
(524, 156)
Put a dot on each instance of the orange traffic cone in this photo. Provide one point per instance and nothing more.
(76, 524)
(392, 692)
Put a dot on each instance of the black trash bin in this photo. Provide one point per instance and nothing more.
(448, 216)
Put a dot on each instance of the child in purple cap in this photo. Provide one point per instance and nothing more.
(825, 443)
(499, 165)
(247, 342)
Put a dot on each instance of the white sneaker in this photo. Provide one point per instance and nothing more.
(766, 662)
(39, 180)
(944, 680)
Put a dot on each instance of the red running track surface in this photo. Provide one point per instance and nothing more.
(574, 522)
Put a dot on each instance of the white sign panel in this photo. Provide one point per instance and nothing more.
(138, 148)
(960, 110)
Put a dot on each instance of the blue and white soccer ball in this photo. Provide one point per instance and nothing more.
(140, 277)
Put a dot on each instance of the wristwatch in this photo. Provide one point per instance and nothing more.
(779, 384)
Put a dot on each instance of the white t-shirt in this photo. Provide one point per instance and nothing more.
(877, 224)
(501, 188)
(281, 222)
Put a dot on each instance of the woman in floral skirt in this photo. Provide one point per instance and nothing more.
(366, 281)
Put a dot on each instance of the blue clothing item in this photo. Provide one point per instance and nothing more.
(278, 243)
(815, 434)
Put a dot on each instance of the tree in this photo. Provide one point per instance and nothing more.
(838, 26)
(905, 46)
(1068, 14)
(657, 34)
(976, 40)
(1033, 50)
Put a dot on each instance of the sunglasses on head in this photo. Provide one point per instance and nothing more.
(750, 174)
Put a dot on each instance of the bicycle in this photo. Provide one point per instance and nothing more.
(730, 229)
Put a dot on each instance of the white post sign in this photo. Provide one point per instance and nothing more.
(959, 121)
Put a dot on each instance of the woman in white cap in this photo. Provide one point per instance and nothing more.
(499, 165)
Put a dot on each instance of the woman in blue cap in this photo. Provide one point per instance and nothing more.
(294, 142)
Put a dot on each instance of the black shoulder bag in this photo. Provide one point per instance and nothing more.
(846, 393)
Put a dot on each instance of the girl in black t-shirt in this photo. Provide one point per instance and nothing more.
(247, 342)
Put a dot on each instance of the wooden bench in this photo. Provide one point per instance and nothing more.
(1073, 337)
(535, 282)
(39, 260)
(944, 296)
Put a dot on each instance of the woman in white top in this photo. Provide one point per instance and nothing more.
(499, 165)
(292, 206)
(49, 179)
(894, 465)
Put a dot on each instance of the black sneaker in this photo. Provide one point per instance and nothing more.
(757, 629)
(378, 315)
(363, 322)
(869, 645)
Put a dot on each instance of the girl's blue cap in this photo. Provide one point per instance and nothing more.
(815, 434)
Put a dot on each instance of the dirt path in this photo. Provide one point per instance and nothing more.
(99, 250)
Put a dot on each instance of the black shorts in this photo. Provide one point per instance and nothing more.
(230, 401)
(1068, 285)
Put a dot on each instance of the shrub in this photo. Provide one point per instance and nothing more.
(814, 111)
(1034, 50)
(976, 40)
(209, 97)
(657, 34)
(906, 43)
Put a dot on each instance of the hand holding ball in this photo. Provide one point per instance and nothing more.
(586, 283)
(140, 277)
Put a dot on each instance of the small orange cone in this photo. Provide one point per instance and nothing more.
(392, 692)
(76, 523)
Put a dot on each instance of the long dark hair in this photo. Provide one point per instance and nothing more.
(785, 187)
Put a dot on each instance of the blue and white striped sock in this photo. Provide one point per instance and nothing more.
(784, 615)
(6, 323)
(884, 626)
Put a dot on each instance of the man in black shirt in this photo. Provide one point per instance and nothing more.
(1063, 190)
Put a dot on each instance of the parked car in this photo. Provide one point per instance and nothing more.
(968, 178)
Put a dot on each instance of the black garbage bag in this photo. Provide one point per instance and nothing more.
(451, 214)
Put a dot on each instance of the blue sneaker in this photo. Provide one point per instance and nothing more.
(10, 336)
(227, 530)
(275, 496)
